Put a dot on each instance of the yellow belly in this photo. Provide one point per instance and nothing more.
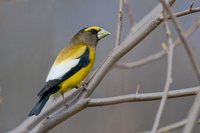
(76, 79)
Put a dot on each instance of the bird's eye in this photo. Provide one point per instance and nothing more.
(93, 31)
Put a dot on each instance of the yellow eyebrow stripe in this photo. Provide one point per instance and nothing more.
(93, 27)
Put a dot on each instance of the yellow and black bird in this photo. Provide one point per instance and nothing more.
(72, 65)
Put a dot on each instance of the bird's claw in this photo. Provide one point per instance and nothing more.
(84, 85)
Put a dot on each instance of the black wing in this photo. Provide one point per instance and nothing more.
(50, 85)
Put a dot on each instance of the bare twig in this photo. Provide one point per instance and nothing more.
(193, 116)
(119, 22)
(138, 89)
(141, 62)
(129, 12)
(185, 12)
(169, 75)
(141, 97)
(189, 32)
(191, 6)
(174, 126)
(1, 98)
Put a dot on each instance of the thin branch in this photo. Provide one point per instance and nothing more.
(191, 5)
(129, 12)
(188, 32)
(1, 98)
(185, 12)
(141, 62)
(173, 126)
(141, 97)
(119, 22)
(193, 115)
(168, 81)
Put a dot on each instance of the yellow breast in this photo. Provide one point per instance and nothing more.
(79, 76)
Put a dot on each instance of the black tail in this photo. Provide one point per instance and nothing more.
(40, 104)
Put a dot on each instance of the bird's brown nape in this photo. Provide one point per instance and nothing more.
(86, 37)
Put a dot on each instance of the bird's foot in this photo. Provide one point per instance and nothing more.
(64, 102)
(84, 84)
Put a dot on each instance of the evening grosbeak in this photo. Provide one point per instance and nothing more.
(71, 66)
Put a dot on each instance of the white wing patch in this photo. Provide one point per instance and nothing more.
(57, 71)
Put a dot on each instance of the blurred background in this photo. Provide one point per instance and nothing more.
(33, 31)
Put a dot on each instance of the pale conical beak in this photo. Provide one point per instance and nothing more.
(102, 33)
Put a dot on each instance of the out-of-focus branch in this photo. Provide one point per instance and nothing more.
(129, 12)
(193, 115)
(174, 126)
(1, 98)
(192, 4)
(119, 22)
(168, 82)
(141, 62)
(161, 54)
(141, 97)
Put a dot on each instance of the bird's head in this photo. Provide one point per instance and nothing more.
(91, 35)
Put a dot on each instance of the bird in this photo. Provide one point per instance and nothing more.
(71, 66)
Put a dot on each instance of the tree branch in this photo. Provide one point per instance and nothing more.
(141, 97)
(186, 12)
(129, 12)
(174, 126)
(168, 81)
(193, 116)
